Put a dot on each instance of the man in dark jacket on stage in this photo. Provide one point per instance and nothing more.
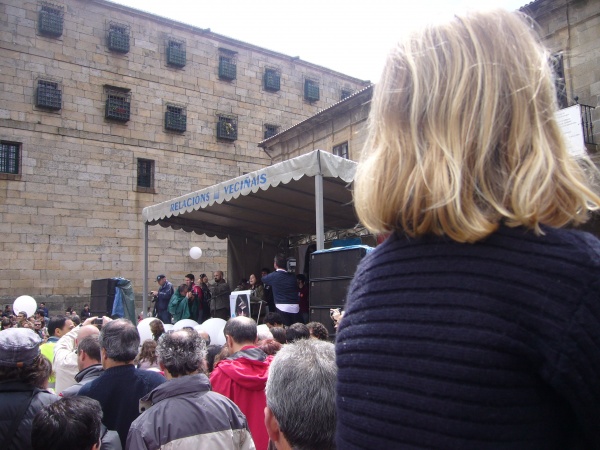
(285, 291)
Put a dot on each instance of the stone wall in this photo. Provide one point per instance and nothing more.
(573, 29)
(73, 214)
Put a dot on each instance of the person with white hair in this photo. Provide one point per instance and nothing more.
(300, 411)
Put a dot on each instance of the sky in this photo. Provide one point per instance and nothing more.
(351, 37)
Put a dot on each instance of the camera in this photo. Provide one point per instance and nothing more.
(98, 321)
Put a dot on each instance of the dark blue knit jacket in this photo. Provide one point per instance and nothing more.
(493, 345)
(119, 390)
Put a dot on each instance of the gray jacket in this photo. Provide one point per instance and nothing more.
(83, 377)
(185, 413)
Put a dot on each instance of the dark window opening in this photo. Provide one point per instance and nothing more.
(145, 173)
(10, 156)
(341, 150)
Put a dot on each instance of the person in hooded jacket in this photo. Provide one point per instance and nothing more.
(242, 376)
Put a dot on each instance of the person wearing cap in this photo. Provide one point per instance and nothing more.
(24, 373)
(162, 298)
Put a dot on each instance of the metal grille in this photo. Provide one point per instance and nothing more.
(346, 93)
(118, 106)
(587, 123)
(176, 53)
(227, 128)
(341, 150)
(272, 80)
(270, 131)
(558, 67)
(50, 21)
(175, 118)
(227, 68)
(311, 90)
(9, 158)
(118, 38)
(48, 95)
(145, 173)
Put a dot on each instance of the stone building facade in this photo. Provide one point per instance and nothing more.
(104, 110)
(571, 30)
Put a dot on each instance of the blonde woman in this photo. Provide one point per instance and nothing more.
(476, 324)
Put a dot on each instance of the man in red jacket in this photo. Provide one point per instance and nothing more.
(243, 376)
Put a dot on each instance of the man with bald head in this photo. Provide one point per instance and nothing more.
(65, 355)
(242, 377)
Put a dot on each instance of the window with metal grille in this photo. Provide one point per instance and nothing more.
(118, 104)
(48, 95)
(272, 80)
(10, 157)
(176, 53)
(311, 90)
(270, 130)
(227, 127)
(558, 66)
(145, 173)
(341, 150)
(175, 118)
(227, 68)
(118, 38)
(50, 20)
(346, 93)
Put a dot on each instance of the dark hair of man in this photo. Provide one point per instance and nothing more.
(318, 330)
(69, 423)
(181, 352)
(279, 334)
(120, 339)
(280, 261)
(304, 370)
(301, 277)
(241, 329)
(56, 322)
(296, 331)
(190, 276)
(75, 319)
(265, 270)
(212, 351)
(91, 346)
(274, 318)
(35, 374)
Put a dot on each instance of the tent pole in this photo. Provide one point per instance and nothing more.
(319, 211)
(145, 276)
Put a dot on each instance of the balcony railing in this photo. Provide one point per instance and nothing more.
(587, 123)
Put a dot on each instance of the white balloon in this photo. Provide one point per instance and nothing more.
(184, 323)
(214, 328)
(195, 252)
(144, 328)
(168, 326)
(25, 303)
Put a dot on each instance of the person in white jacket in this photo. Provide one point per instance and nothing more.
(65, 356)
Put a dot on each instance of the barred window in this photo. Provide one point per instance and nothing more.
(270, 130)
(341, 150)
(10, 156)
(145, 173)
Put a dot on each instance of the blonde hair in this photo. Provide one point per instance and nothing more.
(462, 136)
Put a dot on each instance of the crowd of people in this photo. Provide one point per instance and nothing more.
(475, 324)
(113, 391)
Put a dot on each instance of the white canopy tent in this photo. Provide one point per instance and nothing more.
(278, 201)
